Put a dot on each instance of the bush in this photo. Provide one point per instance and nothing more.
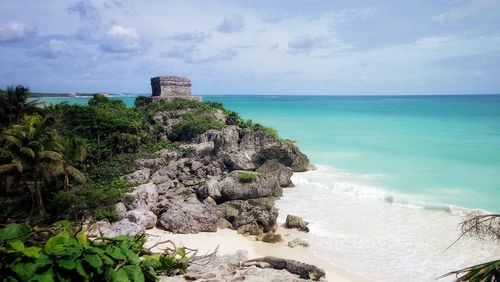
(193, 124)
(61, 254)
(247, 177)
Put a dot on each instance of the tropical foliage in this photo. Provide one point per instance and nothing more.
(60, 253)
(483, 227)
(14, 104)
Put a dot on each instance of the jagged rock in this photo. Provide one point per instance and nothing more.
(191, 216)
(270, 237)
(248, 214)
(297, 242)
(210, 201)
(200, 149)
(251, 229)
(278, 170)
(122, 227)
(238, 161)
(293, 221)
(121, 210)
(304, 270)
(232, 188)
(162, 175)
(288, 155)
(142, 217)
(222, 223)
(151, 163)
(145, 197)
(234, 267)
(139, 177)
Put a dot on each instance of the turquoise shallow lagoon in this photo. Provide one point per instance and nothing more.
(395, 175)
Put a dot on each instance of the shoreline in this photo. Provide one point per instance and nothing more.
(229, 242)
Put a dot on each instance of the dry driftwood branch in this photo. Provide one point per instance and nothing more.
(481, 226)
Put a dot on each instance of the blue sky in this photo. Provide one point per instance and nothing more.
(253, 47)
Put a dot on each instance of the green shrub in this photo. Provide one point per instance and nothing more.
(247, 177)
(108, 214)
(61, 254)
(193, 124)
(155, 146)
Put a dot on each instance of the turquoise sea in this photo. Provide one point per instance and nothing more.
(394, 176)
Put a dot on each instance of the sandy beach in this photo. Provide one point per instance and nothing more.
(229, 241)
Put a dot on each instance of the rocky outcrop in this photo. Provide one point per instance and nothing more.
(234, 268)
(190, 216)
(122, 227)
(227, 178)
(297, 242)
(293, 221)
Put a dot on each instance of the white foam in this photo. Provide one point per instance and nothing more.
(355, 225)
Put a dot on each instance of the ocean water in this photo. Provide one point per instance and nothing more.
(394, 176)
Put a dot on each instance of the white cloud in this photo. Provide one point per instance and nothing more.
(308, 43)
(120, 39)
(54, 48)
(231, 24)
(14, 31)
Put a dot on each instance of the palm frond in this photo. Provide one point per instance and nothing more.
(10, 167)
(75, 173)
(484, 272)
(50, 155)
(28, 151)
(11, 139)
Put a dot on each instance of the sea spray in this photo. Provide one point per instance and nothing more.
(354, 226)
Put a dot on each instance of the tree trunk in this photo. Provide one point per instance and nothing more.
(38, 197)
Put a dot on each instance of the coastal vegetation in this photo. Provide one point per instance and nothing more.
(63, 165)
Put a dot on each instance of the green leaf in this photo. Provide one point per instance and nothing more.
(81, 271)
(94, 260)
(17, 245)
(117, 276)
(116, 253)
(67, 264)
(24, 270)
(47, 276)
(57, 244)
(134, 272)
(81, 237)
(15, 231)
(32, 252)
(132, 256)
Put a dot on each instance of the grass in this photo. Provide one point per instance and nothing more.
(247, 177)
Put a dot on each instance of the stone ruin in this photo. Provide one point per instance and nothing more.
(171, 87)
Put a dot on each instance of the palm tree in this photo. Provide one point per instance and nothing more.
(14, 104)
(75, 151)
(32, 149)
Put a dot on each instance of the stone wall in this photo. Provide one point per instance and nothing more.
(170, 86)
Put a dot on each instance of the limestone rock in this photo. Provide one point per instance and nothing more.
(297, 222)
(142, 217)
(297, 242)
(145, 197)
(191, 216)
(151, 163)
(287, 154)
(278, 170)
(121, 210)
(139, 177)
(270, 237)
(122, 227)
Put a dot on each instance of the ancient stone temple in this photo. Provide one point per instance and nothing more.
(170, 87)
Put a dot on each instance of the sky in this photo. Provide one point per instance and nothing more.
(309, 47)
